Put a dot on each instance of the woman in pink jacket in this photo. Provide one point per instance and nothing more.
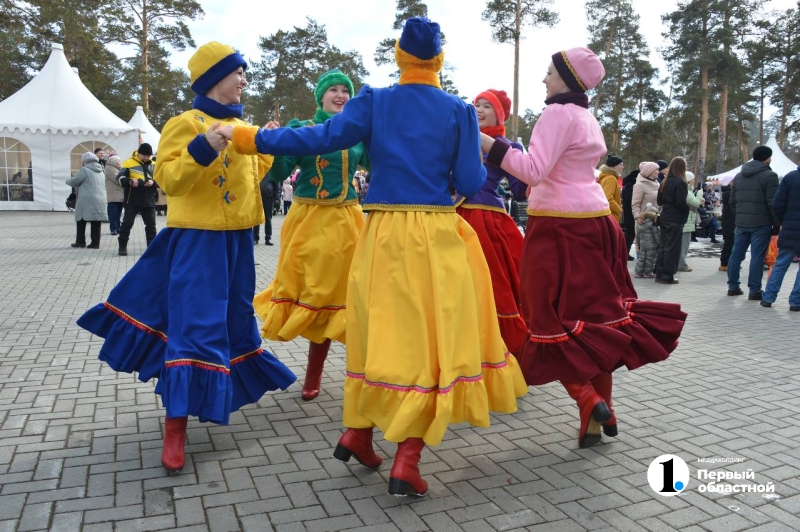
(582, 312)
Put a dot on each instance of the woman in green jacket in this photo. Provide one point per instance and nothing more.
(318, 238)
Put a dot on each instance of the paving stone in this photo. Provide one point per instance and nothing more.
(35, 516)
(80, 444)
(223, 519)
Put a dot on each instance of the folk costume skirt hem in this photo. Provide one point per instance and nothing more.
(183, 314)
(501, 242)
(308, 295)
(423, 346)
(583, 314)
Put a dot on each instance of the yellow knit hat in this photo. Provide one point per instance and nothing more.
(212, 62)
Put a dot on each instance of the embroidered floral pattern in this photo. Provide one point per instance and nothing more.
(199, 118)
(220, 181)
(228, 197)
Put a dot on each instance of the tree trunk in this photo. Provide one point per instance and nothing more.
(145, 71)
(723, 124)
(761, 109)
(616, 112)
(723, 101)
(598, 93)
(703, 147)
(742, 143)
(515, 113)
(786, 94)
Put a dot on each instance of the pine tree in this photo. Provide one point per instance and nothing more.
(627, 91)
(507, 17)
(150, 24)
(283, 81)
(784, 50)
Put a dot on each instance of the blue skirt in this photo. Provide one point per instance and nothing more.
(184, 314)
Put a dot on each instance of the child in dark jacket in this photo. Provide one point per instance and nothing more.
(648, 239)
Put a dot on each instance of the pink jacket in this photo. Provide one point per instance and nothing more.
(565, 147)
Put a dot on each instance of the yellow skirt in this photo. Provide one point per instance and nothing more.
(424, 348)
(308, 295)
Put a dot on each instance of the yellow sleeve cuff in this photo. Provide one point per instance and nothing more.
(244, 139)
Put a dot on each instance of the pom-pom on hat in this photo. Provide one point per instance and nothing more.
(420, 46)
(499, 101)
(145, 149)
(648, 168)
(421, 38)
(580, 68)
(762, 153)
(329, 79)
(613, 161)
(211, 63)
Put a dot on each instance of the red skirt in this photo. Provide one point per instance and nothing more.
(583, 314)
(502, 246)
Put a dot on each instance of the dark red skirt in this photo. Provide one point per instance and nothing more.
(502, 246)
(583, 314)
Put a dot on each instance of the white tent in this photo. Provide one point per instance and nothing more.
(780, 164)
(147, 132)
(41, 125)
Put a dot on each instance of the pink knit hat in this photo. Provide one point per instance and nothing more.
(580, 68)
(647, 168)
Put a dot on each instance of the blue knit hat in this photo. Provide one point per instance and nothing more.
(421, 38)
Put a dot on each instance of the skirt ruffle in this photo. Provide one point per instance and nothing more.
(583, 313)
(183, 315)
(424, 348)
(308, 295)
(501, 242)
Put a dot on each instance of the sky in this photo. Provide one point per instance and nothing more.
(479, 63)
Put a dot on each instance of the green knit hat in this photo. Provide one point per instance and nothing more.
(330, 78)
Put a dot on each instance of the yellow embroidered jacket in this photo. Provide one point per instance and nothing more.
(211, 190)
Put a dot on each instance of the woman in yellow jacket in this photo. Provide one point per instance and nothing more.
(184, 312)
(609, 179)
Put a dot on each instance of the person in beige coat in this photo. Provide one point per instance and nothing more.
(115, 194)
(645, 190)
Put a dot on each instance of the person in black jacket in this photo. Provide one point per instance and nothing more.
(728, 226)
(674, 213)
(268, 193)
(628, 223)
(752, 192)
(786, 207)
(141, 193)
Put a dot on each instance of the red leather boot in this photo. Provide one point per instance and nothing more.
(594, 411)
(358, 443)
(317, 353)
(173, 455)
(602, 384)
(404, 478)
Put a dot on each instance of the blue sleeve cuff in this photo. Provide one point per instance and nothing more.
(498, 152)
(201, 150)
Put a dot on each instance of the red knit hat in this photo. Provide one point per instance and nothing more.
(499, 101)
